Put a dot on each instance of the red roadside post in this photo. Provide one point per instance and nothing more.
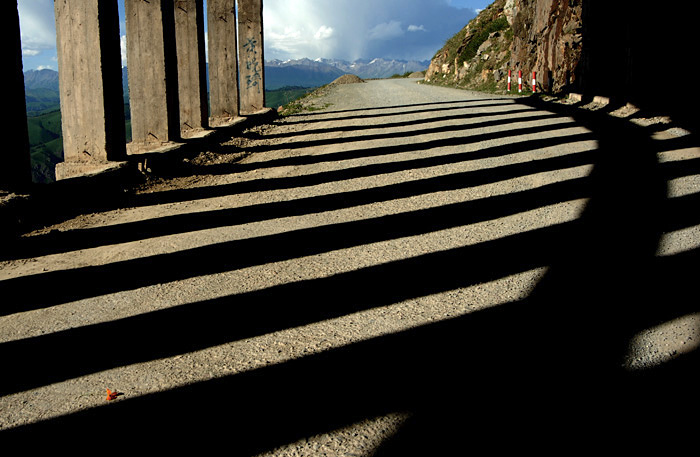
(520, 80)
(534, 83)
(509, 80)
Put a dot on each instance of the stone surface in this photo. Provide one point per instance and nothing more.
(251, 56)
(153, 87)
(223, 62)
(67, 170)
(191, 67)
(89, 61)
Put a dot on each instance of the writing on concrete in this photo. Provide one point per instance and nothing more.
(254, 79)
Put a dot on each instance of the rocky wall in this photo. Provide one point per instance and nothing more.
(547, 38)
(544, 36)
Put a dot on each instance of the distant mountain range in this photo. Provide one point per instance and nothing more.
(41, 79)
(312, 73)
(299, 72)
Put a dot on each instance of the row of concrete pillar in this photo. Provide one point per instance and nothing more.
(166, 78)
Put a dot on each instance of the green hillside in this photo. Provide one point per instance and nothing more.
(41, 100)
(45, 144)
(282, 96)
(45, 135)
(44, 125)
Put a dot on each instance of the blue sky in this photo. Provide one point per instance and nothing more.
(344, 29)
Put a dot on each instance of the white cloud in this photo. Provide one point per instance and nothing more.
(37, 26)
(285, 41)
(288, 34)
(122, 44)
(385, 30)
(353, 29)
(323, 33)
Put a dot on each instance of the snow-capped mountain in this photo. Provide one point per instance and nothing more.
(378, 68)
(311, 73)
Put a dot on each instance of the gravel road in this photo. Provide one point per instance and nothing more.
(408, 270)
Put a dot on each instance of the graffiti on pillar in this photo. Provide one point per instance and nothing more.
(251, 47)
(254, 78)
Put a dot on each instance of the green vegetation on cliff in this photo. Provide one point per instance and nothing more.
(475, 56)
(514, 35)
(483, 29)
(478, 57)
(464, 45)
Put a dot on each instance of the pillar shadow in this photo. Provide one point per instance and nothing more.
(303, 144)
(62, 286)
(362, 152)
(418, 108)
(605, 287)
(543, 373)
(61, 201)
(55, 242)
(397, 124)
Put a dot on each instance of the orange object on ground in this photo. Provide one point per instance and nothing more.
(112, 395)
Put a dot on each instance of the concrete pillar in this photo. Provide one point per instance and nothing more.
(15, 169)
(153, 87)
(223, 62)
(191, 65)
(251, 56)
(90, 79)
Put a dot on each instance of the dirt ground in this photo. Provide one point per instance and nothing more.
(338, 281)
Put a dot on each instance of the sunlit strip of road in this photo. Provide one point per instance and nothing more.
(257, 352)
(663, 343)
(112, 306)
(179, 242)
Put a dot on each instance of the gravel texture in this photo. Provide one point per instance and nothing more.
(407, 269)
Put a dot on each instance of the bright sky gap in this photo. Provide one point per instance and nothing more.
(338, 29)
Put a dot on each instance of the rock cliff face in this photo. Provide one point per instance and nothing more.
(619, 50)
(544, 36)
(547, 38)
